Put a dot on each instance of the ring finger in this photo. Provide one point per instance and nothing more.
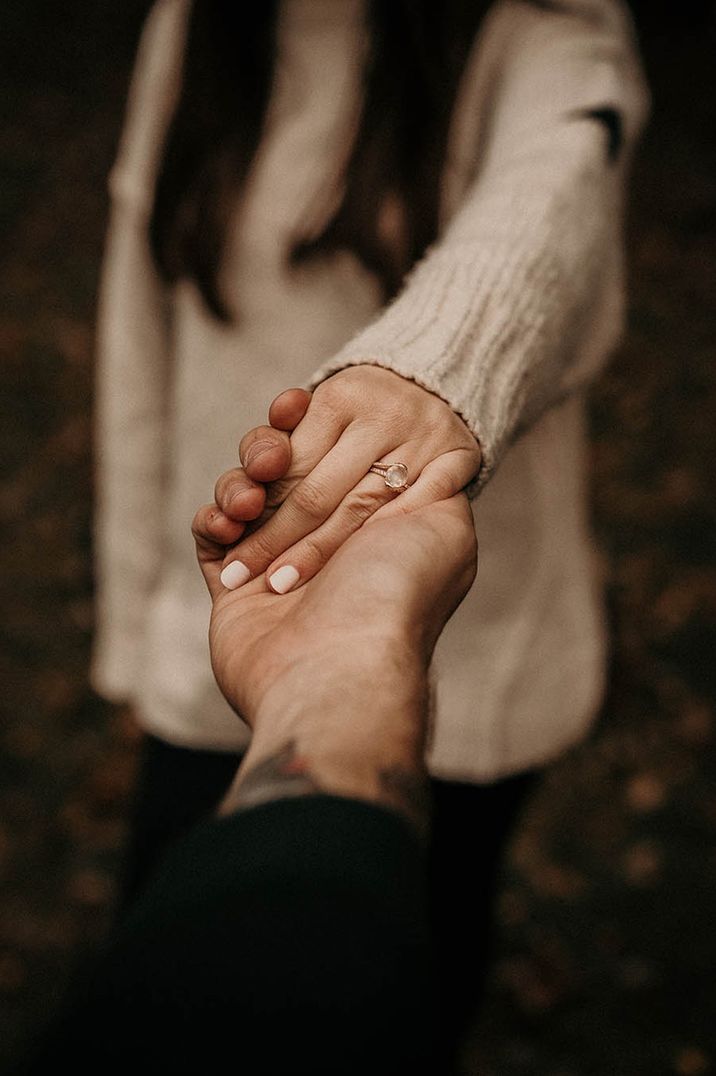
(307, 507)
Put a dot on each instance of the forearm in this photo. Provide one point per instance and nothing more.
(520, 300)
(341, 726)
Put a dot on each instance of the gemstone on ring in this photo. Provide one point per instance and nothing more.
(396, 476)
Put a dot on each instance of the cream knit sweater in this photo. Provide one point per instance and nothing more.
(507, 317)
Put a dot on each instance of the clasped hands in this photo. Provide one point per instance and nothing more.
(321, 485)
(282, 516)
(338, 664)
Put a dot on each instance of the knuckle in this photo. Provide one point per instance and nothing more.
(278, 491)
(463, 464)
(463, 436)
(439, 486)
(466, 441)
(330, 408)
(309, 500)
(311, 553)
(326, 393)
(361, 505)
(259, 548)
(338, 391)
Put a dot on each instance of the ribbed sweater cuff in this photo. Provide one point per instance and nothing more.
(491, 324)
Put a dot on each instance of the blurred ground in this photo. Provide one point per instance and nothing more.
(606, 950)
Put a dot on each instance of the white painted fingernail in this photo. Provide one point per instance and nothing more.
(235, 575)
(284, 579)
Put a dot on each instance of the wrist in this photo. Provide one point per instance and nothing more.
(352, 723)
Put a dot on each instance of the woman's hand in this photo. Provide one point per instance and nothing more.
(360, 416)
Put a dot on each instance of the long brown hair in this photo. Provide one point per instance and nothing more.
(417, 53)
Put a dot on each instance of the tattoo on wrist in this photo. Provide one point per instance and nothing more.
(276, 777)
(287, 774)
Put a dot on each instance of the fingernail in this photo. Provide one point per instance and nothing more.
(284, 579)
(235, 575)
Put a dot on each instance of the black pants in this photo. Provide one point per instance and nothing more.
(471, 826)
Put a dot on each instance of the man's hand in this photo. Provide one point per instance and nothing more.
(383, 597)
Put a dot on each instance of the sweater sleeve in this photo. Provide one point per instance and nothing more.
(132, 366)
(520, 300)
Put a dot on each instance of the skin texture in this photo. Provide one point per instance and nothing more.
(332, 677)
(286, 774)
(360, 416)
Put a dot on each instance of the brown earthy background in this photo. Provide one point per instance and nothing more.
(606, 950)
